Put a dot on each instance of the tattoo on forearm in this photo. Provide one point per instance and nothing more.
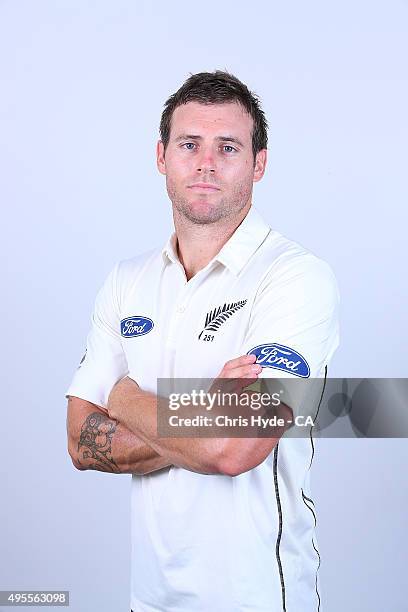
(95, 442)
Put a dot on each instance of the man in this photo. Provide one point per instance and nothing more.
(220, 524)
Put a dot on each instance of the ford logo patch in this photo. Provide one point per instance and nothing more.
(281, 357)
(135, 326)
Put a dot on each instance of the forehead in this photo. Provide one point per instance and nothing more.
(212, 119)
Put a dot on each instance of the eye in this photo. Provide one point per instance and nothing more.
(189, 146)
(228, 149)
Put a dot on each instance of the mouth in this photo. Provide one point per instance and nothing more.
(204, 187)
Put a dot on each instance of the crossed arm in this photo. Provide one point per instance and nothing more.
(125, 440)
(98, 442)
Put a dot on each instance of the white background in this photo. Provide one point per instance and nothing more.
(82, 86)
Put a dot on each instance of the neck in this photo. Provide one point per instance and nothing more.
(198, 244)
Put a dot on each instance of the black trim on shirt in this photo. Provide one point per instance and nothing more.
(317, 412)
(304, 497)
(278, 540)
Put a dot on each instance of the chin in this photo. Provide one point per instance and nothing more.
(202, 212)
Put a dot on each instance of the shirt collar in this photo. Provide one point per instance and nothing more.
(169, 251)
(243, 243)
(237, 251)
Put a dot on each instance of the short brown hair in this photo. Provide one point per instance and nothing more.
(217, 88)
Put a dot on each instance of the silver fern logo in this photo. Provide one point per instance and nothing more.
(215, 318)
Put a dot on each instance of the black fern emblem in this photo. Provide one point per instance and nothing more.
(215, 318)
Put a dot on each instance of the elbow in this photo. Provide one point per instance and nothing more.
(74, 457)
(230, 467)
(77, 465)
(230, 463)
(240, 458)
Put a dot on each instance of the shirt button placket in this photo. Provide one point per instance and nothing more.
(177, 320)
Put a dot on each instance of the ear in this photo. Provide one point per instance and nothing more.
(161, 162)
(260, 165)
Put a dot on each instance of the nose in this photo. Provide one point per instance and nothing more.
(206, 161)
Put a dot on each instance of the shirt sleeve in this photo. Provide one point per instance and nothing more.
(104, 362)
(294, 329)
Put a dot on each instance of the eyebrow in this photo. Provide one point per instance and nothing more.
(219, 138)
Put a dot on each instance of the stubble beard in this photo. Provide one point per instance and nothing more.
(209, 211)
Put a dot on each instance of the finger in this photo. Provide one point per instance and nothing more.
(232, 385)
(239, 361)
(249, 370)
(228, 385)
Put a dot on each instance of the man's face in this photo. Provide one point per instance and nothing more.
(209, 163)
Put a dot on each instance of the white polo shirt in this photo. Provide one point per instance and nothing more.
(215, 542)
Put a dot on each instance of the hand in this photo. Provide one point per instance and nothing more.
(237, 374)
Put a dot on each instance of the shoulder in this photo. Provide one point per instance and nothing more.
(288, 266)
(127, 272)
(128, 268)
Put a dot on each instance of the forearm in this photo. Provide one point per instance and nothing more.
(98, 442)
(136, 410)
